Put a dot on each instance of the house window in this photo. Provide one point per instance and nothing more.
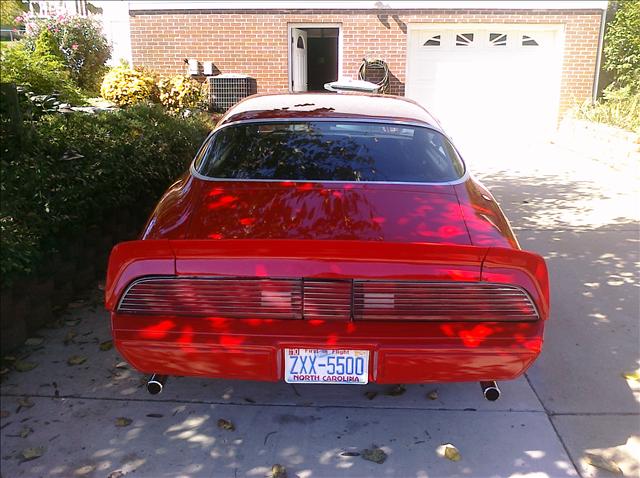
(300, 43)
(433, 41)
(498, 39)
(464, 39)
(528, 41)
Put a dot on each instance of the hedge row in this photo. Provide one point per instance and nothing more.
(70, 172)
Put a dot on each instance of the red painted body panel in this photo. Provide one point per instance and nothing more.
(328, 230)
(401, 353)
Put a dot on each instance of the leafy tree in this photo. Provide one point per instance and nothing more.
(622, 45)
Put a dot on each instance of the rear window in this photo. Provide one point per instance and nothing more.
(331, 151)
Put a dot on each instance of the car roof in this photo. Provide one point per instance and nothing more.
(354, 106)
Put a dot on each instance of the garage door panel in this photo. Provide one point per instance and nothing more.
(474, 77)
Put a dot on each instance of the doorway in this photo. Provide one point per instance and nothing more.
(314, 56)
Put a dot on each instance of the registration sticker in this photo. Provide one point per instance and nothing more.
(326, 366)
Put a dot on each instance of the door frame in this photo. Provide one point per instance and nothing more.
(311, 25)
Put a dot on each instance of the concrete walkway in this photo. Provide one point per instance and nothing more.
(581, 213)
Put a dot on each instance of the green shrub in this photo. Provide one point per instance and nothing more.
(76, 169)
(46, 45)
(125, 86)
(622, 45)
(80, 40)
(40, 73)
(619, 107)
(181, 92)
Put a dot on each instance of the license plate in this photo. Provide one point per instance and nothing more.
(326, 366)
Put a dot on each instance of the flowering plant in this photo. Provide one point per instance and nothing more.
(80, 40)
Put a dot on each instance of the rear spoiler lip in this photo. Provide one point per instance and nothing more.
(323, 259)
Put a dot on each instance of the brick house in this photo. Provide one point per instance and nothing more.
(519, 63)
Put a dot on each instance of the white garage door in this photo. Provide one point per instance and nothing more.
(487, 83)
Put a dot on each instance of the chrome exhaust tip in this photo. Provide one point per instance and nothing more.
(156, 384)
(490, 390)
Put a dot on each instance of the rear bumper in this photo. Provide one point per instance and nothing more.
(400, 352)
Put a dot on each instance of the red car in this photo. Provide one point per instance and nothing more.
(328, 238)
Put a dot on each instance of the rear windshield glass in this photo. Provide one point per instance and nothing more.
(331, 151)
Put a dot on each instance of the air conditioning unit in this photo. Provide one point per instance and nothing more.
(227, 89)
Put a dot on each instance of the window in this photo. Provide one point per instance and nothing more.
(433, 41)
(498, 39)
(464, 39)
(300, 43)
(202, 152)
(528, 41)
(331, 151)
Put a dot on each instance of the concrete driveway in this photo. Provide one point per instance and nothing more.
(581, 213)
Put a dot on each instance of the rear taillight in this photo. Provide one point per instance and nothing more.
(328, 299)
(396, 300)
(216, 297)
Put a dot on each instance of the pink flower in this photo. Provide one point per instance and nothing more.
(19, 19)
(74, 46)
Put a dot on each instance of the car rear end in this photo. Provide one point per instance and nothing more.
(245, 309)
(328, 250)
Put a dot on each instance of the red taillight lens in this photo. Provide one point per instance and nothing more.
(395, 300)
(217, 297)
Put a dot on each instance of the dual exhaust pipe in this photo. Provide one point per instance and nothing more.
(490, 389)
(156, 384)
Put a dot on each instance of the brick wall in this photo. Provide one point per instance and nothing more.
(255, 42)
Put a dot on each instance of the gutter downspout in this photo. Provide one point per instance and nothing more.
(596, 79)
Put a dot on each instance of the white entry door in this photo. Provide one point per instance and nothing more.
(298, 60)
(487, 84)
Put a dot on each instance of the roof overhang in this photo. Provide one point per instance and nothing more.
(137, 5)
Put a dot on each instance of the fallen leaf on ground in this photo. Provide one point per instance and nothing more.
(76, 360)
(432, 395)
(71, 322)
(25, 432)
(349, 453)
(226, 425)
(633, 376)
(32, 453)
(123, 365)
(4, 413)
(396, 391)
(108, 345)
(603, 463)
(371, 395)
(24, 366)
(451, 452)
(25, 402)
(69, 337)
(4, 370)
(278, 471)
(116, 474)
(123, 421)
(9, 358)
(33, 341)
(375, 454)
